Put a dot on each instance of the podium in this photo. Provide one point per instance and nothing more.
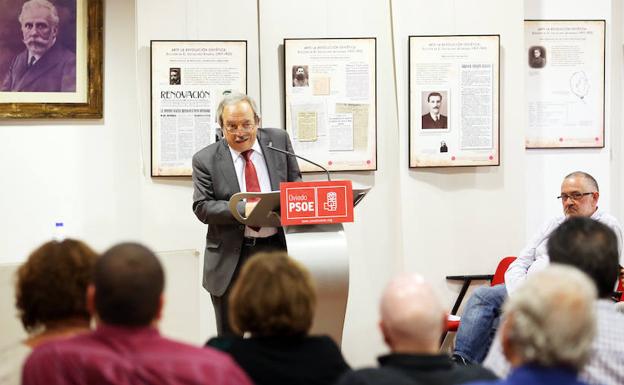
(322, 249)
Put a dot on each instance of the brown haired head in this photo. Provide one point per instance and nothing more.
(51, 285)
(274, 295)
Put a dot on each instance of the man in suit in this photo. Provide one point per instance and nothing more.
(44, 66)
(241, 161)
(434, 119)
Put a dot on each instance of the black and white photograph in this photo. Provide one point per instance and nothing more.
(454, 100)
(565, 83)
(300, 76)
(537, 57)
(175, 78)
(188, 81)
(434, 112)
(331, 101)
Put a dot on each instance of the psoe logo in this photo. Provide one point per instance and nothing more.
(331, 204)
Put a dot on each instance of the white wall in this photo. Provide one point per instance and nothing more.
(374, 239)
(546, 168)
(463, 220)
(84, 173)
(94, 175)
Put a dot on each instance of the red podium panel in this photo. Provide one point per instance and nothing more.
(310, 203)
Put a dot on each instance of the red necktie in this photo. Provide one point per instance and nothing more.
(251, 179)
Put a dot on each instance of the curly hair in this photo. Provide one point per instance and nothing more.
(273, 296)
(51, 285)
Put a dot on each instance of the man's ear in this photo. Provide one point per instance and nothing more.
(506, 341)
(386, 335)
(161, 306)
(91, 300)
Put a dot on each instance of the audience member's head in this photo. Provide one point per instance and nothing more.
(579, 194)
(549, 321)
(52, 284)
(128, 286)
(274, 295)
(412, 318)
(589, 246)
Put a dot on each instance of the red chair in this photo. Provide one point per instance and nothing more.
(618, 296)
(497, 278)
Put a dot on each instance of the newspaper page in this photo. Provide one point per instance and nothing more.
(189, 78)
(454, 101)
(331, 102)
(565, 62)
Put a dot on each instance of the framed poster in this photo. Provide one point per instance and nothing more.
(331, 102)
(454, 100)
(188, 81)
(565, 83)
(51, 59)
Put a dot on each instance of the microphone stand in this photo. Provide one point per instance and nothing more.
(300, 157)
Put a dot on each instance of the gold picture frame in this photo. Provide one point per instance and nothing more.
(89, 76)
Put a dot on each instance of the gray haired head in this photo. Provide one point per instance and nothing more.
(32, 4)
(550, 321)
(232, 98)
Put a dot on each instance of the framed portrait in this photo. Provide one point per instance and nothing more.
(565, 83)
(188, 81)
(51, 56)
(454, 101)
(331, 102)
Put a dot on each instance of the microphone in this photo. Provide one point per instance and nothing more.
(300, 157)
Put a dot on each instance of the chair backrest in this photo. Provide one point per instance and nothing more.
(499, 274)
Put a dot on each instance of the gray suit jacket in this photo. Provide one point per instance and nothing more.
(54, 72)
(214, 182)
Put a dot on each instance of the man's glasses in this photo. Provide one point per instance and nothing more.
(574, 196)
(245, 127)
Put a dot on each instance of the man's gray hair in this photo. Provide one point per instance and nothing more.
(551, 319)
(582, 174)
(233, 98)
(31, 4)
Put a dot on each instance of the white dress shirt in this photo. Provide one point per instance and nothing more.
(534, 256)
(263, 179)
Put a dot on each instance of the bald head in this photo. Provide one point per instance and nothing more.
(412, 318)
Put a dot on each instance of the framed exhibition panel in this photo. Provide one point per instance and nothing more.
(454, 100)
(565, 83)
(331, 102)
(188, 81)
(55, 69)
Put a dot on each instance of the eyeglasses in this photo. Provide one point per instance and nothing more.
(245, 127)
(574, 196)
